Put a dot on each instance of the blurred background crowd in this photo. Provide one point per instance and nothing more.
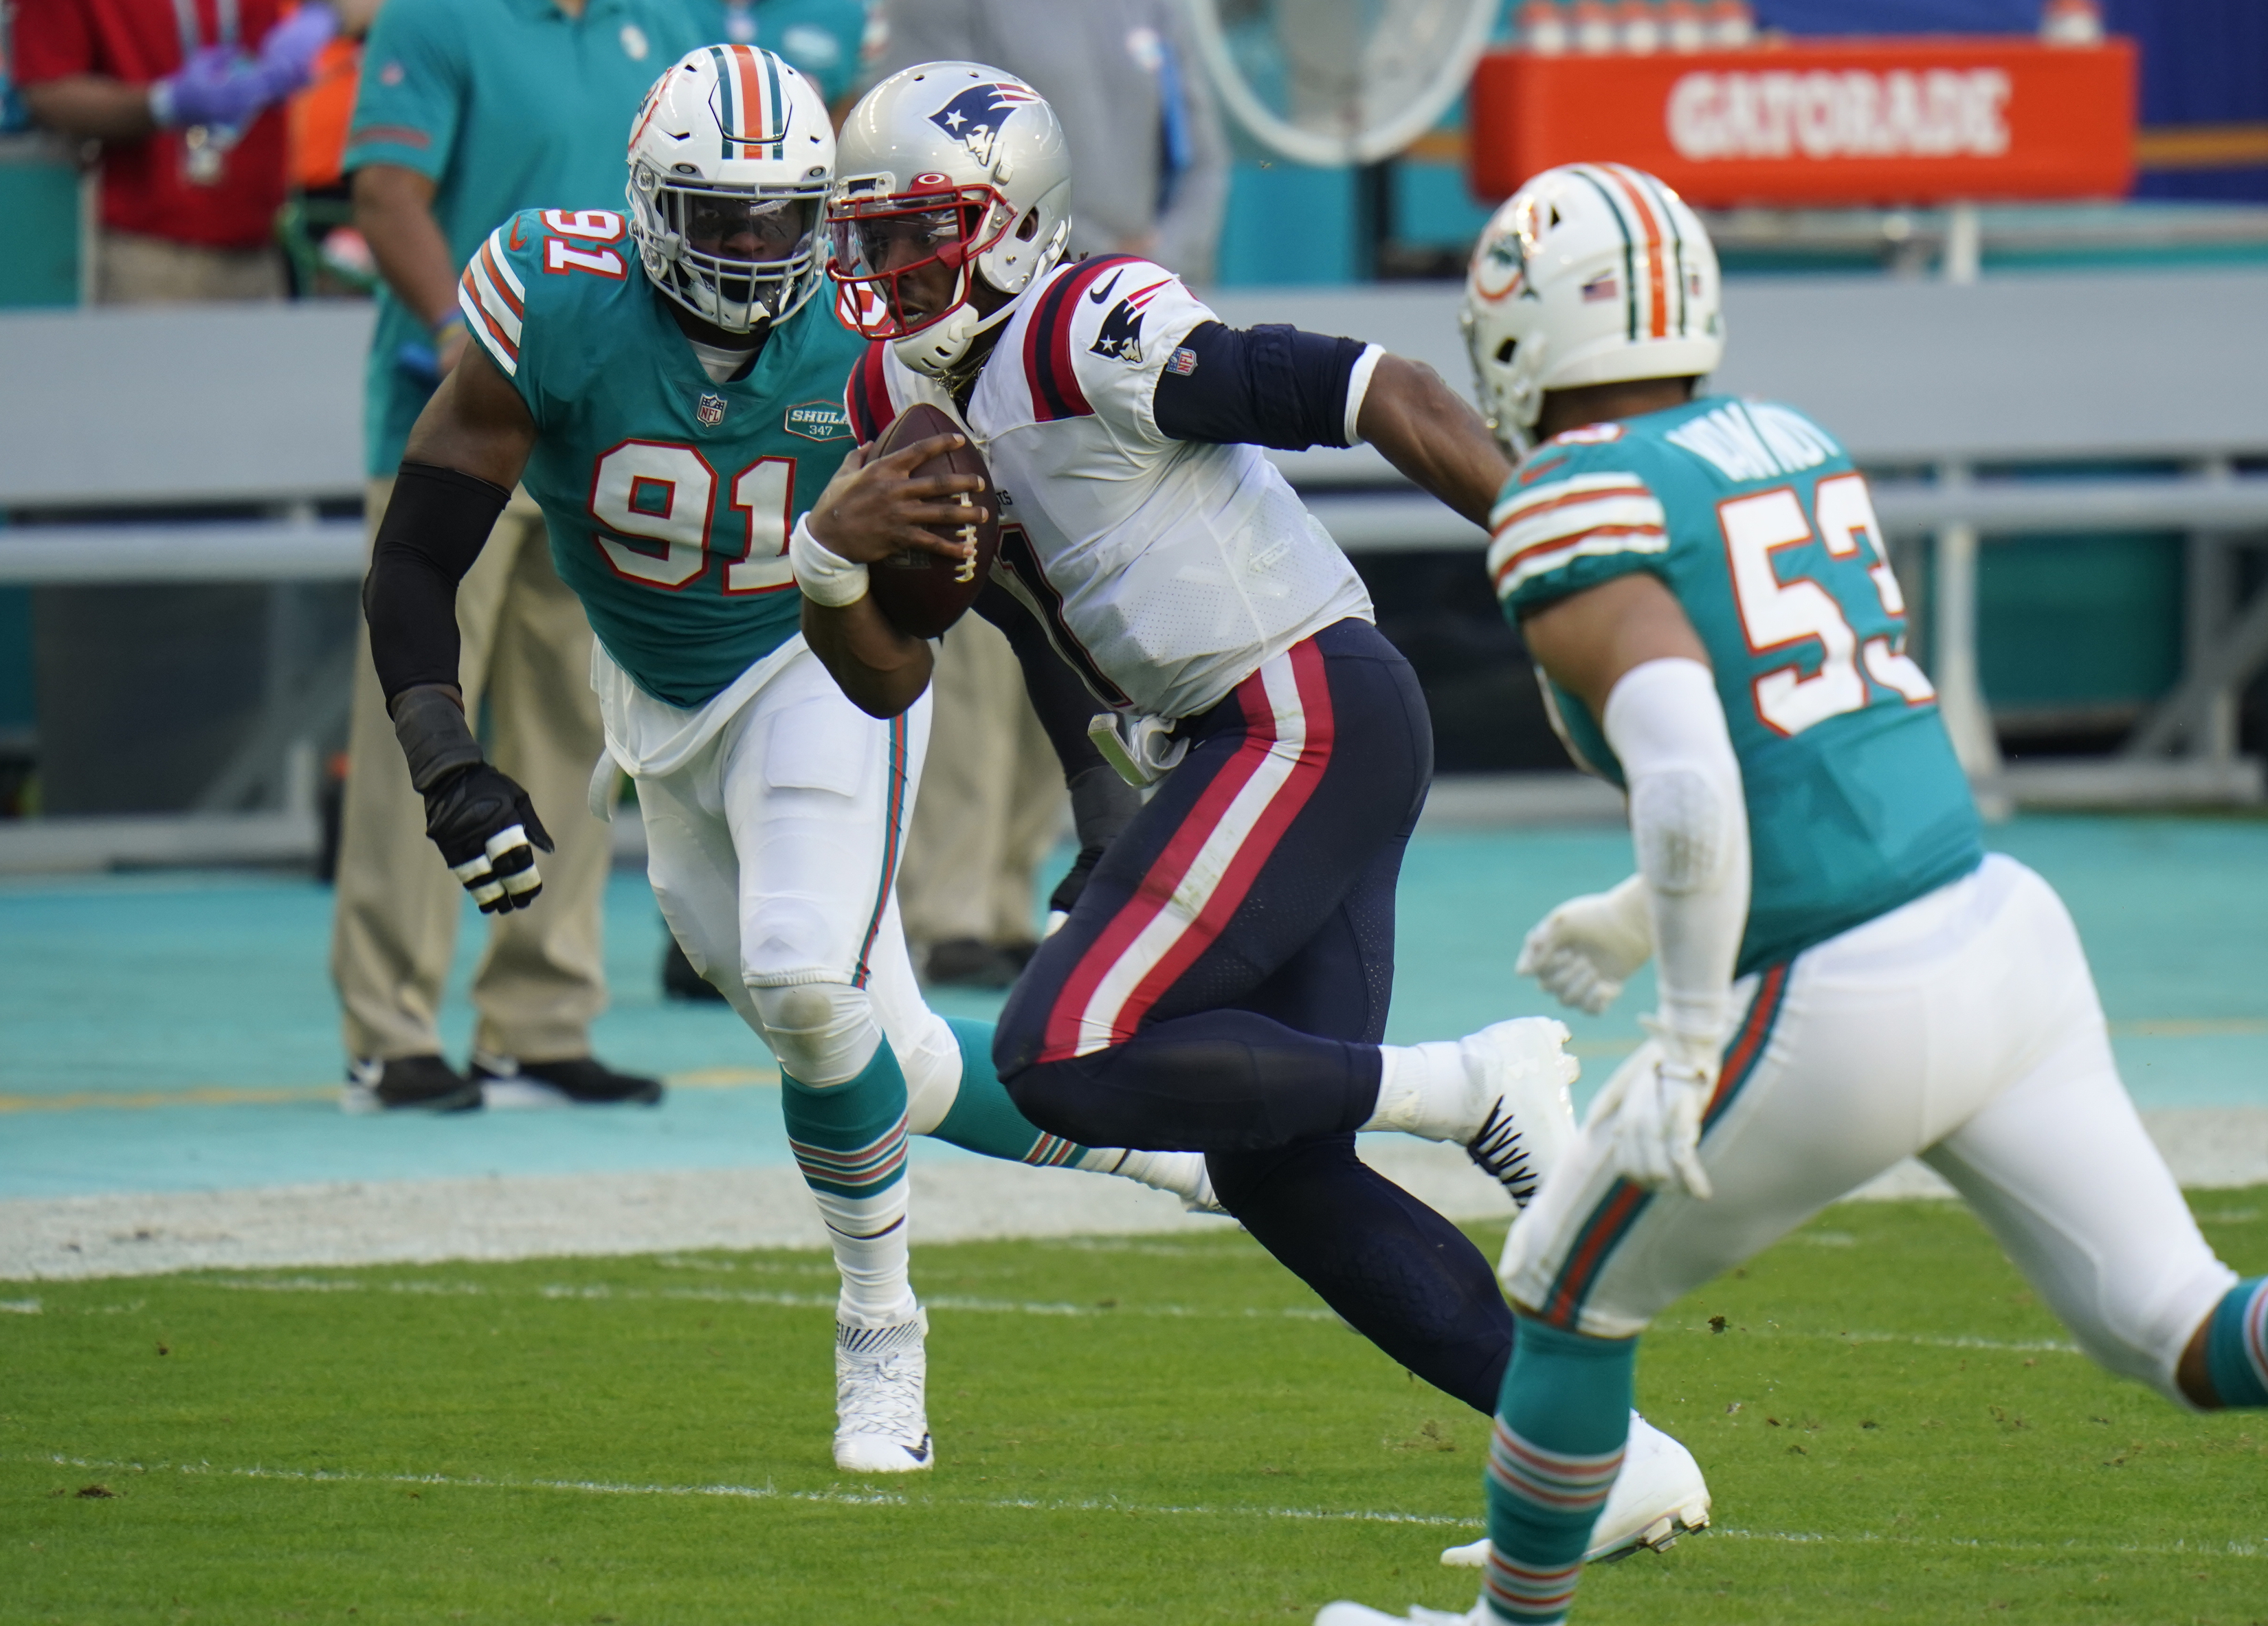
(181, 678)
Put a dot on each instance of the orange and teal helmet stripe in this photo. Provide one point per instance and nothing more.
(752, 103)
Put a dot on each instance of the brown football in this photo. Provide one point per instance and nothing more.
(923, 593)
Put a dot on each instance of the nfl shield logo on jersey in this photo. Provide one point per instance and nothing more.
(710, 411)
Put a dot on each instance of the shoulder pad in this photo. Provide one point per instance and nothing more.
(1105, 326)
(533, 262)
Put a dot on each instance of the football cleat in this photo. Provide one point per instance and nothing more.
(1360, 1614)
(579, 1081)
(407, 1084)
(881, 1424)
(1519, 1071)
(1658, 1495)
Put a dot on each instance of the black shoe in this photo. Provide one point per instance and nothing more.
(680, 980)
(969, 962)
(575, 1081)
(407, 1084)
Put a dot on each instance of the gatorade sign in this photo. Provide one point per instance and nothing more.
(1864, 121)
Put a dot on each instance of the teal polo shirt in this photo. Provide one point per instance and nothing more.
(505, 104)
(820, 37)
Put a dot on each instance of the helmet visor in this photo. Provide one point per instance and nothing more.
(905, 257)
(735, 226)
(741, 256)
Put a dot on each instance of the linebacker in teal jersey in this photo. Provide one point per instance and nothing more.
(1855, 801)
(1846, 978)
(671, 394)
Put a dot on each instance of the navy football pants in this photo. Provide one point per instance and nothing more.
(1222, 986)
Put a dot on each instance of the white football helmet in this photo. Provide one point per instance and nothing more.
(950, 164)
(730, 158)
(1589, 274)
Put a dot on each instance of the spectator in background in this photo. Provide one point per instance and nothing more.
(181, 94)
(1149, 161)
(1149, 176)
(469, 111)
(821, 38)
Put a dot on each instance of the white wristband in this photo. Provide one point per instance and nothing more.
(1358, 388)
(825, 576)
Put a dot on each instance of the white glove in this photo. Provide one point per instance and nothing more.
(1584, 951)
(1651, 1113)
(1142, 749)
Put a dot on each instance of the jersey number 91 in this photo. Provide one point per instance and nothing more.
(650, 494)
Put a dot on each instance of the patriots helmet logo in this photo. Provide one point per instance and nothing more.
(976, 117)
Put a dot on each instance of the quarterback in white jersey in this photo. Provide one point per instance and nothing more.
(1221, 984)
(1168, 569)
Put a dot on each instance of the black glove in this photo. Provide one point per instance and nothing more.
(482, 822)
(1065, 897)
(484, 825)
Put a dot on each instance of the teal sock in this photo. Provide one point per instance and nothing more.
(850, 1140)
(1561, 1428)
(984, 1119)
(2237, 1349)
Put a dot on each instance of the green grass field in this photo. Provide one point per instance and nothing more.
(1167, 1431)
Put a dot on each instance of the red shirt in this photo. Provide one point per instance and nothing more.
(145, 188)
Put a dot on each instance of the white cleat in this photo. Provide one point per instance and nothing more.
(1361, 1614)
(881, 1425)
(1523, 1117)
(1658, 1495)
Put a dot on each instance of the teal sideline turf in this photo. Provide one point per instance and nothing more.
(160, 985)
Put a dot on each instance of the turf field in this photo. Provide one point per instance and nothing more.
(1163, 1431)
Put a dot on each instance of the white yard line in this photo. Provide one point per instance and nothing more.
(1111, 1504)
(756, 1493)
(602, 1291)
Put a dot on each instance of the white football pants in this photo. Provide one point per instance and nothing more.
(772, 841)
(1963, 1028)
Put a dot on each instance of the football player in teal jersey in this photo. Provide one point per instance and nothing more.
(1846, 977)
(669, 391)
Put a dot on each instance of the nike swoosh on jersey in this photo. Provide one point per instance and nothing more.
(1102, 295)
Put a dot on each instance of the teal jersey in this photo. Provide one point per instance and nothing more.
(1752, 515)
(503, 105)
(669, 497)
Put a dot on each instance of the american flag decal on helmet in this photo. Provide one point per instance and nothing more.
(751, 103)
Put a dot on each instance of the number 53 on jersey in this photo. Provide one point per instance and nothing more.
(1798, 613)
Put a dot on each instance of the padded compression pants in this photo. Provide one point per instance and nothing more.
(1223, 986)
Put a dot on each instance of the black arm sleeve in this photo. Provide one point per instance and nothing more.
(1270, 386)
(435, 525)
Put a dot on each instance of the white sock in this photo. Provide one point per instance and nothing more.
(869, 1237)
(1423, 1090)
(1176, 1171)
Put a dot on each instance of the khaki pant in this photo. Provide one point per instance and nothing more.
(526, 649)
(992, 798)
(129, 269)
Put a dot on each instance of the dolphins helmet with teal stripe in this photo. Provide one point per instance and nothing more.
(1589, 274)
(731, 155)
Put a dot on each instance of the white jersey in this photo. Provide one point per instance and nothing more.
(1166, 572)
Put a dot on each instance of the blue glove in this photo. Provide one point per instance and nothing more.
(215, 86)
(287, 55)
